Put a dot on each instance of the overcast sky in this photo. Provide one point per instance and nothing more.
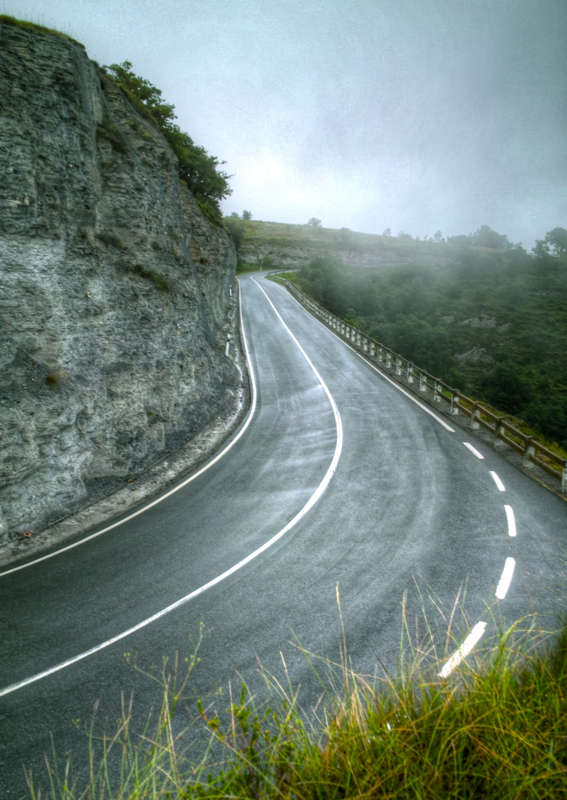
(415, 115)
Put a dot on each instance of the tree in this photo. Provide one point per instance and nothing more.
(235, 215)
(486, 237)
(246, 215)
(314, 222)
(404, 235)
(233, 225)
(556, 241)
(437, 236)
(387, 232)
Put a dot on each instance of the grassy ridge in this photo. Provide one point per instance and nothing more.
(35, 28)
(257, 233)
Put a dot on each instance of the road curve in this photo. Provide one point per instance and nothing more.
(405, 506)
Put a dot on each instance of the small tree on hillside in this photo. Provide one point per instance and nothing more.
(246, 215)
(314, 222)
(556, 240)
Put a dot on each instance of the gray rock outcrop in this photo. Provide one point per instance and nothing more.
(114, 289)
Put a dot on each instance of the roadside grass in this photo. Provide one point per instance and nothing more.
(496, 727)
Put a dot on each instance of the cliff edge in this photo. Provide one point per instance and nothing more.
(114, 289)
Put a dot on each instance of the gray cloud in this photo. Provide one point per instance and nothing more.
(369, 114)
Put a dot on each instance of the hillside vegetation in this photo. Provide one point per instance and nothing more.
(491, 323)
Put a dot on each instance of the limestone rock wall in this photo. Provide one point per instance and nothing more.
(114, 289)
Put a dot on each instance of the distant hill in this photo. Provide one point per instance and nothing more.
(282, 246)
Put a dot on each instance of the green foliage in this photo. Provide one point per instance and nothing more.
(508, 303)
(110, 133)
(315, 223)
(5, 19)
(246, 215)
(234, 226)
(495, 728)
(159, 281)
(197, 169)
(555, 242)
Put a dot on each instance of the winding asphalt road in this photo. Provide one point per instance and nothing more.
(351, 481)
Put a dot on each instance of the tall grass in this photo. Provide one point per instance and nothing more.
(495, 728)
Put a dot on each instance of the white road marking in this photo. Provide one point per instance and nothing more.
(506, 578)
(463, 651)
(310, 503)
(497, 481)
(473, 450)
(172, 491)
(379, 371)
(511, 520)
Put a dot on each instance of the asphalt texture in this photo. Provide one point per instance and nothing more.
(410, 513)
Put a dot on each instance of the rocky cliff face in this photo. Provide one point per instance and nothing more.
(114, 289)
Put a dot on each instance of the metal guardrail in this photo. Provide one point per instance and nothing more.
(503, 432)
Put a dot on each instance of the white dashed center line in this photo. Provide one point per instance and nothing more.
(463, 650)
(506, 578)
(473, 450)
(511, 520)
(497, 481)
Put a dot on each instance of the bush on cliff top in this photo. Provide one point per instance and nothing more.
(197, 169)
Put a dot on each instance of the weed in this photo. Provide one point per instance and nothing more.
(110, 239)
(108, 131)
(496, 728)
(149, 274)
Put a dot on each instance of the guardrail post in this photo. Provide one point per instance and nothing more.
(372, 349)
(422, 382)
(499, 432)
(436, 392)
(380, 353)
(475, 414)
(529, 450)
(454, 403)
(388, 360)
(410, 373)
(227, 348)
(398, 366)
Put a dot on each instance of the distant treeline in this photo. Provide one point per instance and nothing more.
(504, 312)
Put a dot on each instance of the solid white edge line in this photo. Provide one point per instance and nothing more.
(511, 520)
(310, 503)
(370, 364)
(463, 650)
(497, 481)
(223, 452)
(473, 450)
(506, 578)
